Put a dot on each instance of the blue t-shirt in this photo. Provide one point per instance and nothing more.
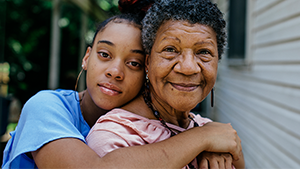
(49, 115)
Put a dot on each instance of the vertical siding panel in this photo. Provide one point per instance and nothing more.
(262, 99)
(262, 5)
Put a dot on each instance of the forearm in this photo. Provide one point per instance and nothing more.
(174, 152)
(179, 150)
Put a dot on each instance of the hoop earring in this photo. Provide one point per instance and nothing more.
(78, 78)
(212, 99)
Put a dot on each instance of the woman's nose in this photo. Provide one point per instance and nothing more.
(187, 64)
(115, 70)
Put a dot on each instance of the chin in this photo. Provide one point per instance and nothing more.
(106, 106)
(184, 106)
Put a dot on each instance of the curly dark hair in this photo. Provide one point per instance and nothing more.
(194, 11)
(132, 12)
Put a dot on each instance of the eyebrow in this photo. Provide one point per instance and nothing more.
(202, 42)
(106, 42)
(172, 38)
(137, 51)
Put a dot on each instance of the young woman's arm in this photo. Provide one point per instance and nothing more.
(174, 152)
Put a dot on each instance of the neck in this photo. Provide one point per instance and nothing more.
(90, 111)
(168, 113)
(171, 115)
(139, 107)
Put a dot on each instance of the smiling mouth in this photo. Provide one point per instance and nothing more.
(109, 89)
(185, 87)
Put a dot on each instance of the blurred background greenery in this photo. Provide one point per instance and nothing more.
(42, 43)
(25, 40)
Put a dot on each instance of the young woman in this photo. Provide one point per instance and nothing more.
(53, 124)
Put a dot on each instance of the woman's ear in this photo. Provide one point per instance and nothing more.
(86, 58)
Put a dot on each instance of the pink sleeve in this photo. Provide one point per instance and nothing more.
(201, 120)
(103, 142)
(120, 128)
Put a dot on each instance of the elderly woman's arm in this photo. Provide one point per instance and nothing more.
(174, 152)
(239, 164)
(219, 160)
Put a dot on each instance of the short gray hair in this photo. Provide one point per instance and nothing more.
(193, 11)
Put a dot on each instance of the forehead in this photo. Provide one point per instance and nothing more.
(119, 30)
(185, 28)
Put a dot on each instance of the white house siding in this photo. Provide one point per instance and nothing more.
(262, 99)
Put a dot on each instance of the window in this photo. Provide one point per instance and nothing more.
(237, 32)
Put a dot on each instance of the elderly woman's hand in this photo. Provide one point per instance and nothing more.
(222, 138)
(213, 160)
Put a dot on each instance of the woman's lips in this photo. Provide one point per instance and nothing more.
(109, 89)
(185, 86)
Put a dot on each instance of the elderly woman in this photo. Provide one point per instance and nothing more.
(184, 41)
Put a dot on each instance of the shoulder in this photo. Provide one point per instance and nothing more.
(59, 107)
(51, 100)
(49, 115)
(54, 95)
(52, 108)
(130, 120)
(128, 125)
(199, 119)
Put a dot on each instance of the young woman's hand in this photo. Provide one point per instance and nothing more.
(222, 138)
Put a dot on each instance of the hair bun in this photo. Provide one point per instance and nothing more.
(135, 6)
(125, 4)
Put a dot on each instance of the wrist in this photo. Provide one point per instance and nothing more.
(200, 138)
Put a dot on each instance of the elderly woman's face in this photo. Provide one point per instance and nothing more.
(183, 64)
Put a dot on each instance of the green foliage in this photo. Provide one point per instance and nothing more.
(26, 45)
(27, 32)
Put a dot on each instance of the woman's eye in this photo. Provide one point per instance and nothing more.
(203, 52)
(104, 55)
(169, 50)
(136, 64)
(205, 55)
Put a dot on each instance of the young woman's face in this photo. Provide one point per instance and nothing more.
(115, 65)
(183, 64)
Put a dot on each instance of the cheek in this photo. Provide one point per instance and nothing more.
(159, 69)
(91, 65)
(210, 76)
(136, 82)
(91, 70)
(210, 71)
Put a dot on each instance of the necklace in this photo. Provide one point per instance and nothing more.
(147, 99)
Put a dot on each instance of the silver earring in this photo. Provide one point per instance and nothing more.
(147, 78)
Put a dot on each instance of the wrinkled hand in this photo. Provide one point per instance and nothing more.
(223, 138)
(210, 160)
